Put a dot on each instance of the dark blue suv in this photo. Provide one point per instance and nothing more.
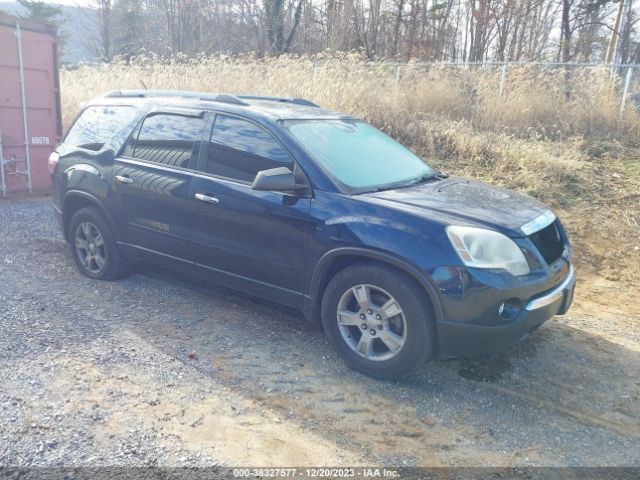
(313, 209)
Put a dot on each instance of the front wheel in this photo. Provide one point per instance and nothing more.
(379, 320)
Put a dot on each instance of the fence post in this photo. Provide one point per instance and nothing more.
(625, 91)
(397, 74)
(503, 78)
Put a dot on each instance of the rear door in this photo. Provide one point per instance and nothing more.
(152, 181)
(257, 239)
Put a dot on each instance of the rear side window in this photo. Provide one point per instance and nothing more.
(168, 139)
(98, 124)
(239, 149)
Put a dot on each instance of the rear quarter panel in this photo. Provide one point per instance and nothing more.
(83, 173)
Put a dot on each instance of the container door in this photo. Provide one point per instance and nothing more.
(27, 59)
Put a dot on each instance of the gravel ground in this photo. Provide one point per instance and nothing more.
(158, 369)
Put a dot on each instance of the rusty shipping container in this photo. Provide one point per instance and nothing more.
(30, 121)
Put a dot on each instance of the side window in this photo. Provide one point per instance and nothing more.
(98, 124)
(239, 149)
(167, 138)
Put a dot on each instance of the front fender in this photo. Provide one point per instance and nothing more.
(323, 266)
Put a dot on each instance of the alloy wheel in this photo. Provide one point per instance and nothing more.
(371, 322)
(90, 247)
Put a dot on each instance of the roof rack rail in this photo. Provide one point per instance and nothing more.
(209, 97)
(297, 101)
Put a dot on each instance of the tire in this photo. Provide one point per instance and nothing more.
(364, 349)
(88, 226)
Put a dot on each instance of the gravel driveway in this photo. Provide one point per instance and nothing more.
(159, 369)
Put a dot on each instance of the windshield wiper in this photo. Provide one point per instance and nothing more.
(423, 179)
(428, 177)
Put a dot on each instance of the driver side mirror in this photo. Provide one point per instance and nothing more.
(279, 179)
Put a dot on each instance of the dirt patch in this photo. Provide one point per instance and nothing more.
(486, 368)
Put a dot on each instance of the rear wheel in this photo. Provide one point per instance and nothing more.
(378, 319)
(93, 246)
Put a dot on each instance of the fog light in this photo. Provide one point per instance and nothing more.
(509, 309)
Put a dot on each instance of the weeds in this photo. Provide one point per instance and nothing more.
(537, 103)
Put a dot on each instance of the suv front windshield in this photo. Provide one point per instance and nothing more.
(358, 155)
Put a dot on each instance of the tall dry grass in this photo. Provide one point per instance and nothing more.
(543, 102)
(554, 134)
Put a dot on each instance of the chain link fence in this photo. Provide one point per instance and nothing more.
(545, 100)
(625, 78)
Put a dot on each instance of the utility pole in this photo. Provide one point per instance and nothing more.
(623, 32)
(613, 42)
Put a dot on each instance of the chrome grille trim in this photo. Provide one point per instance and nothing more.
(554, 294)
(537, 224)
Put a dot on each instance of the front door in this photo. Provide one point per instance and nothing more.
(257, 240)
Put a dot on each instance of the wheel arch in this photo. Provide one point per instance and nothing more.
(73, 201)
(336, 260)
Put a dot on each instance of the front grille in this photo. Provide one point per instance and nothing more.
(549, 242)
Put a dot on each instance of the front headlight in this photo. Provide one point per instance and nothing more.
(482, 248)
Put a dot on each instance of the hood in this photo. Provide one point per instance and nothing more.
(458, 201)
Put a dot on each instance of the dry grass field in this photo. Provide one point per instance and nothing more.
(553, 134)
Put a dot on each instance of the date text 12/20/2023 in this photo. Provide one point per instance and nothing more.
(319, 472)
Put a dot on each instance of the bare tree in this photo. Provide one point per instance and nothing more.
(470, 30)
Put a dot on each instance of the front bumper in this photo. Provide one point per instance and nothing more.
(466, 339)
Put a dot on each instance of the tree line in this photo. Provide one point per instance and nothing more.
(402, 30)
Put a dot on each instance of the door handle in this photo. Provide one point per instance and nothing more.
(207, 198)
(124, 179)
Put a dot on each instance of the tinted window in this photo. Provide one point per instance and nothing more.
(239, 149)
(97, 125)
(168, 139)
